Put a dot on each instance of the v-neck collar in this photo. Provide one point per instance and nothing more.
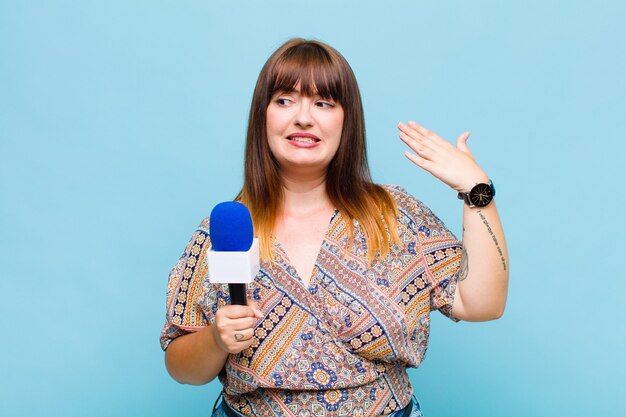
(292, 272)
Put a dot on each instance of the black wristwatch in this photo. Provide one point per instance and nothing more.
(480, 195)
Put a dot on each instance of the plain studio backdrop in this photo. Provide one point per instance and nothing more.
(122, 124)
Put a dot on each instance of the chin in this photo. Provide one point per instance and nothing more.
(304, 165)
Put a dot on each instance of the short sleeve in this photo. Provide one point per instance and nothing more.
(440, 249)
(191, 300)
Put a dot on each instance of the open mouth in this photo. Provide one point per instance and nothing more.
(302, 139)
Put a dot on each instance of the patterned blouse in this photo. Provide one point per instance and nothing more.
(341, 346)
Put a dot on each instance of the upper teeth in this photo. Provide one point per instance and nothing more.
(300, 139)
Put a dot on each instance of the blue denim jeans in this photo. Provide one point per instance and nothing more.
(218, 410)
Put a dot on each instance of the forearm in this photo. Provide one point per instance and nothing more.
(195, 358)
(483, 278)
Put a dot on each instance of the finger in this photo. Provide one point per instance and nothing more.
(242, 324)
(429, 135)
(418, 160)
(242, 335)
(255, 307)
(461, 144)
(425, 137)
(237, 311)
(411, 132)
(410, 140)
(417, 145)
(419, 128)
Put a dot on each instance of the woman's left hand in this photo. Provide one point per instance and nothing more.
(454, 166)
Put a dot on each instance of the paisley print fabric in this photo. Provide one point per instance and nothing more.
(341, 345)
(416, 411)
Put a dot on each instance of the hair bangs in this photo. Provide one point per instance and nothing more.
(309, 68)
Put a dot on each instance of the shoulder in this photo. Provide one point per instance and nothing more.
(199, 241)
(395, 190)
(202, 229)
(415, 214)
(204, 225)
(404, 200)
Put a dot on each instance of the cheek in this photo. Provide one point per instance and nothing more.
(274, 120)
(270, 120)
(338, 125)
(275, 146)
(273, 129)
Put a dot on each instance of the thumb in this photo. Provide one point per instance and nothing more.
(254, 306)
(461, 142)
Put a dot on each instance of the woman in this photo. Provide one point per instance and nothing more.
(350, 270)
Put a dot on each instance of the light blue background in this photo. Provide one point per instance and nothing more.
(122, 124)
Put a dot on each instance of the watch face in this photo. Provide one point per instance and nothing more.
(481, 195)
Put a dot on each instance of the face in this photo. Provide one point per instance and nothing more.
(303, 132)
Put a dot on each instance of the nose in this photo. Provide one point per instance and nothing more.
(303, 116)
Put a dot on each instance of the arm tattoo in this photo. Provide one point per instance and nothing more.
(493, 236)
(464, 268)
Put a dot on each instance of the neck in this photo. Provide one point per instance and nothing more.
(304, 195)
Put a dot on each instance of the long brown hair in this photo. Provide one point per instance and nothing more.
(318, 69)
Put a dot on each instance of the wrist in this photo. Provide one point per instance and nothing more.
(480, 195)
(467, 185)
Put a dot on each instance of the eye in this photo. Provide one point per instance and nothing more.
(282, 101)
(325, 104)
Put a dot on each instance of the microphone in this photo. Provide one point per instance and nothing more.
(234, 254)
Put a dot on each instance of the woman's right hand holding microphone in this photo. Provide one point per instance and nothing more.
(234, 326)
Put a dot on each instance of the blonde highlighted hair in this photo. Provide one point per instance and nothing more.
(318, 69)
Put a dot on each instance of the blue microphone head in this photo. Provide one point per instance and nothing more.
(231, 228)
